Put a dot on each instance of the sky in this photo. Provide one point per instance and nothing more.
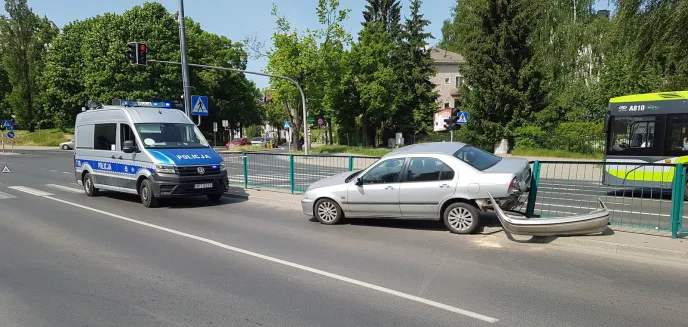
(237, 19)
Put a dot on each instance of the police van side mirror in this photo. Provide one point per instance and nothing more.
(129, 146)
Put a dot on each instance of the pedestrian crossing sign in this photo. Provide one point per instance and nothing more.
(463, 118)
(6, 169)
(199, 105)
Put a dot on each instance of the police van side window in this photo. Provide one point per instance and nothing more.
(127, 134)
(105, 137)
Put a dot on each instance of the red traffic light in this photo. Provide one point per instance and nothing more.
(143, 47)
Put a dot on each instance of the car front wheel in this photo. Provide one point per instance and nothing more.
(146, 192)
(461, 218)
(328, 212)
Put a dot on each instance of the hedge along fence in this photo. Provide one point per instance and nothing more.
(573, 137)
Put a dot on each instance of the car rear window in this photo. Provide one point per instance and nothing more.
(477, 158)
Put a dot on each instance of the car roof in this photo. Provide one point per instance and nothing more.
(448, 148)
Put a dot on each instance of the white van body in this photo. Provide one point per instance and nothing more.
(151, 151)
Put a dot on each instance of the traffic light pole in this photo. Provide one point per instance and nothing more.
(303, 96)
(451, 136)
(184, 63)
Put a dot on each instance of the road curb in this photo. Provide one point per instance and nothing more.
(287, 204)
(621, 248)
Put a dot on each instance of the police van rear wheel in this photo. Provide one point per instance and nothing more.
(146, 193)
(89, 188)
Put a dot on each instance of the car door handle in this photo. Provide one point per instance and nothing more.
(113, 157)
(444, 185)
(389, 188)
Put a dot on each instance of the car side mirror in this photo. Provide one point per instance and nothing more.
(359, 181)
(129, 147)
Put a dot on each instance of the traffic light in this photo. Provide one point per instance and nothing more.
(143, 54)
(138, 53)
(133, 53)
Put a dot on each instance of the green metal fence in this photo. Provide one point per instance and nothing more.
(559, 188)
(288, 172)
(642, 196)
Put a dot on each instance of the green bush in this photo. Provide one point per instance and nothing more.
(529, 137)
(254, 131)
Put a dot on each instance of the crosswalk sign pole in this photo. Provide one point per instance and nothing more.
(451, 136)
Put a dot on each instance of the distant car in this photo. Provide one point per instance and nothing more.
(445, 181)
(238, 142)
(257, 141)
(69, 145)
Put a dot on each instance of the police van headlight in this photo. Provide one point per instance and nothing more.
(223, 166)
(165, 169)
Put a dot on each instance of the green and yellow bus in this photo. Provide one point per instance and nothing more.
(642, 129)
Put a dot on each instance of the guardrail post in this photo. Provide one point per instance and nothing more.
(677, 194)
(291, 172)
(532, 194)
(351, 163)
(243, 156)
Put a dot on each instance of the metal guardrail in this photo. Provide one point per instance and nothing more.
(641, 197)
(288, 172)
(558, 187)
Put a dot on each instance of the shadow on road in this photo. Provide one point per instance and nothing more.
(645, 192)
(175, 203)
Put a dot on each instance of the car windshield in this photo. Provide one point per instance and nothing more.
(170, 135)
(477, 158)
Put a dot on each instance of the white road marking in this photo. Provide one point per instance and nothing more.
(29, 190)
(53, 170)
(4, 196)
(65, 188)
(66, 172)
(345, 279)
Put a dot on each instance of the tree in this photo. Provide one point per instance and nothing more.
(89, 61)
(24, 41)
(415, 66)
(293, 55)
(502, 89)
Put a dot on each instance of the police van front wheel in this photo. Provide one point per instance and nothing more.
(146, 192)
(89, 188)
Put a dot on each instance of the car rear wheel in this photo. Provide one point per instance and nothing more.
(461, 218)
(65, 147)
(89, 187)
(328, 212)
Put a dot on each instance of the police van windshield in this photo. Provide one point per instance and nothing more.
(170, 135)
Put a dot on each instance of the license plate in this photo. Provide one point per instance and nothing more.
(204, 185)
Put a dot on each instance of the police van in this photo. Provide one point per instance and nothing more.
(147, 148)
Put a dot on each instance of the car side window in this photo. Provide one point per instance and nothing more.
(105, 137)
(428, 170)
(126, 134)
(388, 171)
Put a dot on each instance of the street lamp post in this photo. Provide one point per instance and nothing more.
(185, 64)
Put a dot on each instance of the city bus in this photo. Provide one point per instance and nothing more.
(642, 129)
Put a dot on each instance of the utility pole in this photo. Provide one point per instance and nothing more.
(185, 64)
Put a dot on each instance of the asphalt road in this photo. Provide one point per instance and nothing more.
(556, 197)
(70, 260)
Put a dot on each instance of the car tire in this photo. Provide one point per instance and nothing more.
(89, 187)
(461, 218)
(146, 192)
(214, 197)
(328, 212)
(65, 147)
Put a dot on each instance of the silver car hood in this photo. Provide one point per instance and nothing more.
(332, 180)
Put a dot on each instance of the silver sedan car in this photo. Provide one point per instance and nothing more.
(432, 181)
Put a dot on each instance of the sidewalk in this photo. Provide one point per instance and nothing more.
(617, 239)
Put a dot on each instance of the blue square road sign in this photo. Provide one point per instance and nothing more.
(199, 105)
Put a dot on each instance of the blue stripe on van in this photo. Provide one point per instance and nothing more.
(111, 167)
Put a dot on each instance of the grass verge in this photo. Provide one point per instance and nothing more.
(46, 137)
(531, 152)
(334, 149)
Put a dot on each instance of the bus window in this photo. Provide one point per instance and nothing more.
(677, 135)
(631, 135)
